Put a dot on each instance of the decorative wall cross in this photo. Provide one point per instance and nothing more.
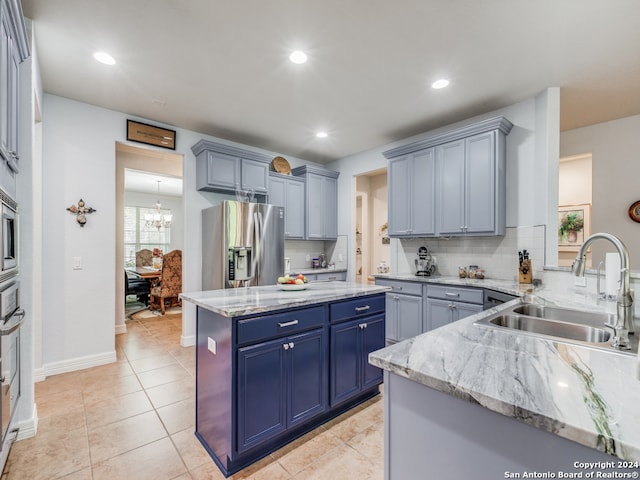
(80, 212)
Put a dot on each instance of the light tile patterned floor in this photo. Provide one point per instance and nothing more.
(134, 419)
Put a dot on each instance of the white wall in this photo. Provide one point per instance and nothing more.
(532, 155)
(616, 169)
(79, 143)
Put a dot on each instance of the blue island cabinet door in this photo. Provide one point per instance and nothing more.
(345, 361)
(372, 339)
(308, 371)
(261, 397)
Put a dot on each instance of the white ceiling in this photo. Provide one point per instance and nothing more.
(146, 182)
(221, 67)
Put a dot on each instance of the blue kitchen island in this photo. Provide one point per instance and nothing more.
(272, 365)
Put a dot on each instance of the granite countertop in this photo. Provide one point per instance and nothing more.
(583, 394)
(234, 302)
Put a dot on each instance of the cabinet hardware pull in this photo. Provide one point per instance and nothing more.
(450, 294)
(363, 309)
(285, 346)
(287, 324)
(364, 325)
(396, 288)
(291, 344)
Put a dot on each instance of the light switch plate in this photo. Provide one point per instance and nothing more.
(77, 263)
(211, 345)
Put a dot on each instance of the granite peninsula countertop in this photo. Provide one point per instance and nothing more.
(234, 302)
(580, 393)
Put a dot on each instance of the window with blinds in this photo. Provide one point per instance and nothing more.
(138, 236)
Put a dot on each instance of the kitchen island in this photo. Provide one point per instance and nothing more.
(467, 401)
(272, 365)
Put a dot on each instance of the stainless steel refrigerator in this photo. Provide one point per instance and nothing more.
(242, 245)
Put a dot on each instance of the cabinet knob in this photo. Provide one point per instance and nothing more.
(291, 344)
(285, 346)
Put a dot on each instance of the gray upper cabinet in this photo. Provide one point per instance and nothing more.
(412, 194)
(321, 202)
(15, 49)
(224, 168)
(288, 192)
(459, 190)
(468, 173)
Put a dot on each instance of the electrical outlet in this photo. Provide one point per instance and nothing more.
(211, 345)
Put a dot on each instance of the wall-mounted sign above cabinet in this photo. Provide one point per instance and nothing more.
(151, 135)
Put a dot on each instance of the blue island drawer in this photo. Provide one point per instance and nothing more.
(357, 308)
(279, 324)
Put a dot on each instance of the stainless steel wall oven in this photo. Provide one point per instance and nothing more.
(11, 318)
(9, 233)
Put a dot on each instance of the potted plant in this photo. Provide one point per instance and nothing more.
(570, 225)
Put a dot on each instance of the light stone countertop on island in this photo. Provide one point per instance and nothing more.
(583, 394)
(235, 302)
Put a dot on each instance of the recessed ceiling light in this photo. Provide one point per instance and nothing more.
(298, 57)
(443, 82)
(104, 57)
(322, 134)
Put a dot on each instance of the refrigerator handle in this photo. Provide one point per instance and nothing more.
(257, 242)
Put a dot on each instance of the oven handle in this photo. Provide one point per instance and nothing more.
(13, 327)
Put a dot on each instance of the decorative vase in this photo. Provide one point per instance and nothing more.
(572, 236)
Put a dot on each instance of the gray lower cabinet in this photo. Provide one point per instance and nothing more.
(228, 169)
(412, 194)
(321, 202)
(328, 277)
(446, 304)
(404, 309)
(288, 192)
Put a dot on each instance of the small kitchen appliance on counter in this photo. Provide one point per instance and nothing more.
(425, 263)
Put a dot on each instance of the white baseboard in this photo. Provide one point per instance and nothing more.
(121, 328)
(29, 427)
(187, 341)
(78, 363)
(38, 375)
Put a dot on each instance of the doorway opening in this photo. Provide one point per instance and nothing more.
(371, 241)
(574, 206)
(145, 177)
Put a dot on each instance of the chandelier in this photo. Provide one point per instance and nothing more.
(157, 219)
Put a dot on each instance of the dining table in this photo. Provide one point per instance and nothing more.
(149, 273)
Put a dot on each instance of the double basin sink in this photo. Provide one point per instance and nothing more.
(559, 324)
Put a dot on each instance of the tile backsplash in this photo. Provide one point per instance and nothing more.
(498, 256)
(301, 252)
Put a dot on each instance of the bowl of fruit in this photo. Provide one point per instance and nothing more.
(291, 283)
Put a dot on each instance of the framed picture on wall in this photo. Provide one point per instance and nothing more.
(574, 226)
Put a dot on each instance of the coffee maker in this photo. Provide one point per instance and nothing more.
(425, 263)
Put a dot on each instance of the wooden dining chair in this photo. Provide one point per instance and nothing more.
(170, 283)
(144, 258)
